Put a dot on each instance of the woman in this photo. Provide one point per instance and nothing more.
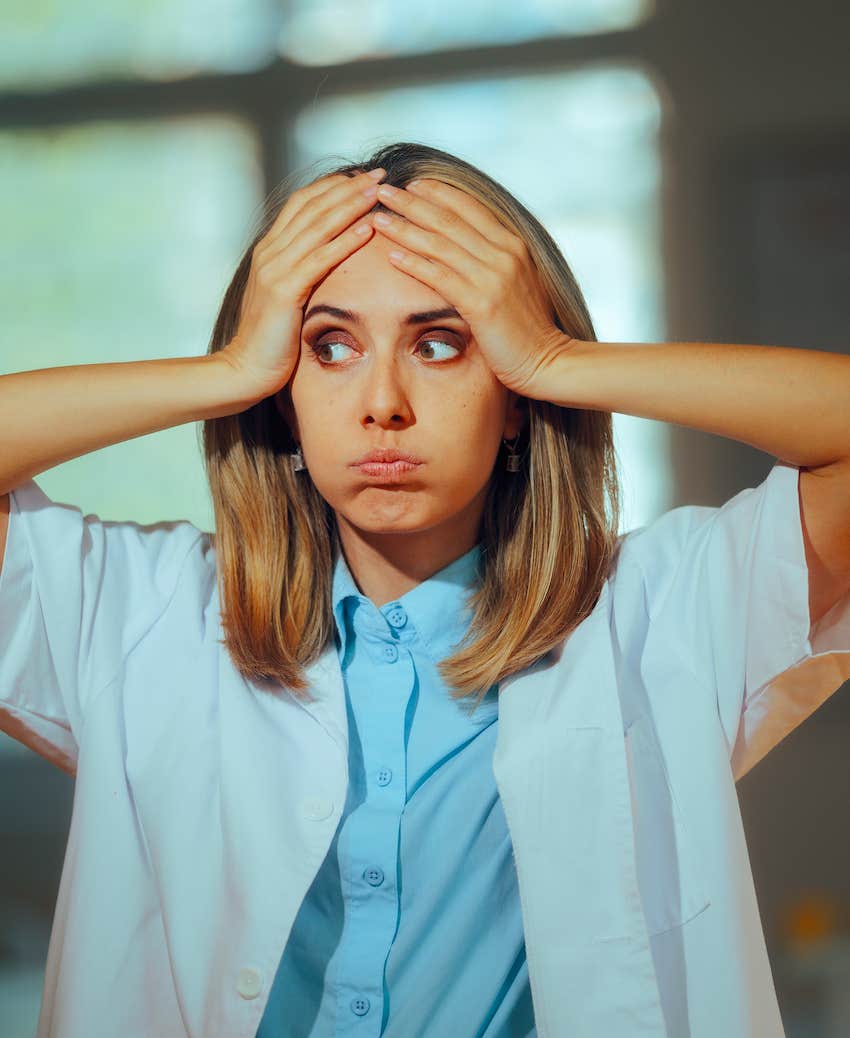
(287, 820)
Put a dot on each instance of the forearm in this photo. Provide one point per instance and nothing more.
(52, 415)
(789, 402)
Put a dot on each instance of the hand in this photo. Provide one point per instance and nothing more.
(454, 244)
(316, 230)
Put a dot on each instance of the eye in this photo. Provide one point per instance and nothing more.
(429, 344)
(317, 347)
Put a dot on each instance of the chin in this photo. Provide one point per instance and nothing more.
(388, 511)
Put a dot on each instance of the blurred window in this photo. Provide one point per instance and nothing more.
(332, 31)
(120, 238)
(47, 44)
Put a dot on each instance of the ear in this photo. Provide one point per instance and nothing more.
(516, 415)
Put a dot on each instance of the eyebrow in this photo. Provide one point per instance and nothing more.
(423, 317)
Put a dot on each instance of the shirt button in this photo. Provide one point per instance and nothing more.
(249, 983)
(385, 776)
(317, 808)
(390, 653)
(374, 875)
(397, 616)
(360, 1006)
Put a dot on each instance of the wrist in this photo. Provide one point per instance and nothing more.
(233, 389)
(551, 380)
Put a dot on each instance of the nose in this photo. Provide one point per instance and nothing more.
(385, 397)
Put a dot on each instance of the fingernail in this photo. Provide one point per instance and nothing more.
(376, 174)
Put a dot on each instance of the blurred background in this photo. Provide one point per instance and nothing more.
(692, 160)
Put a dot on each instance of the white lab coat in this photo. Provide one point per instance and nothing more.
(204, 804)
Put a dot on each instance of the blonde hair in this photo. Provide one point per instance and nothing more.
(547, 541)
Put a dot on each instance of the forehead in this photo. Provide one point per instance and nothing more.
(369, 283)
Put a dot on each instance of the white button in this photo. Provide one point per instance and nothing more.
(249, 983)
(317, 808)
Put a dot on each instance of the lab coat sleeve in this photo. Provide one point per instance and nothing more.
(76, 595)
(728, 592)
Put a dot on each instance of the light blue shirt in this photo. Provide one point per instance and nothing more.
(412, 925)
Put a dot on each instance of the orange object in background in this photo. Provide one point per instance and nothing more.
(812, 970)
(811, 917)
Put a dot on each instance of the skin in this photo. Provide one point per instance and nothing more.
(385, 384)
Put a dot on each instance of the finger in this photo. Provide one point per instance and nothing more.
(449, 283)
(316, 262)
(329, 214)
(298, 199)
(317, 197)
(324, 192)
(453, 224)
(431, 244)
(474, 212)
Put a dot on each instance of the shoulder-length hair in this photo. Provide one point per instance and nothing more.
(547, 541)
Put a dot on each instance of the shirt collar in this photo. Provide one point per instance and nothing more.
(437, 607)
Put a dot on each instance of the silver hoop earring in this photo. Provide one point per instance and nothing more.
(512, 461)
(297, 459)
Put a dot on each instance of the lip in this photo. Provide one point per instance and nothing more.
(387, 471)
(386, 455)
(383, 469)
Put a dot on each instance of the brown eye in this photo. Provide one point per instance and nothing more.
(428, 343)
(316, 348)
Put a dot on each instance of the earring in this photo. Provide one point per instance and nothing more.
(297, 459)
(512, 462)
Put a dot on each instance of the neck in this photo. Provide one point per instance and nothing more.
(386, 565)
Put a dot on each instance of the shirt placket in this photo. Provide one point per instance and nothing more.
(380, 678)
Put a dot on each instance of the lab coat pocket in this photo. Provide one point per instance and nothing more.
(670, 878)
